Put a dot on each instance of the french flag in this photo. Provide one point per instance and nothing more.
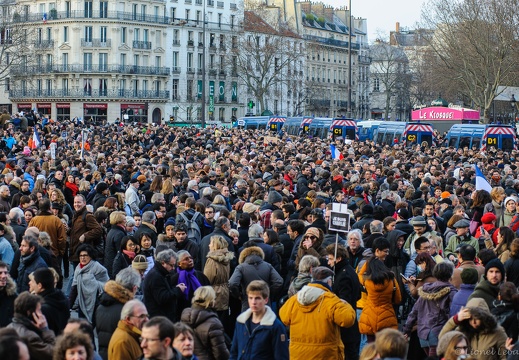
(36, 142)
(481, 181)
(336, 154)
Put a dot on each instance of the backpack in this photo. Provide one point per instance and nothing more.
(193, 230)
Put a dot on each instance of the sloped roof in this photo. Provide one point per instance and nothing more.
(254, 23)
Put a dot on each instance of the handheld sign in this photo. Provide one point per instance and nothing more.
(339, 218)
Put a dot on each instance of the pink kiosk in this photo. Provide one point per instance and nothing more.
(442, 118)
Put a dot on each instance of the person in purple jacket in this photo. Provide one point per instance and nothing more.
(431, 310)
(469, 279)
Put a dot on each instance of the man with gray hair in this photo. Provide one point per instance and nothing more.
(376, 228)
(192, 188)
(18, 223)
(124, 343)
(148, 227)
(256, 239)
(131, 196)
(116, 294)
(160, 296)
(5, 198)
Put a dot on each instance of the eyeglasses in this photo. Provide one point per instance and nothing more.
(141, 339)
(131, 245)
(142, 316)
(310, 237)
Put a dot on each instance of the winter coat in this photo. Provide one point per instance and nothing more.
(217, 270)
(397, 259)
(512, 270)
(269, 341)
(297, 284)
(431, 310)
(28, 264)
(315, 315)
(55, 307)
(486, 291)
(108, 313)
(316, 250)
(188, 245)
(497, 210)
(121, 261)
(90, 281)
(253, 267)
(89, 227)
(365, 219)
(7, 297)
(40, 342)
(204, 246)
(209, 333)
(378, 312)
(270, 254)
(124, 343)
(455, 240)
(489, 344)
(456, 275)
(403, 225)
(507, 317)
(160, 297)
(53, 226)
(461, 297)
(113, 244)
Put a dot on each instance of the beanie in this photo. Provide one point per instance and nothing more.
(140, 263)
(367, 209)
(488, 218)
(102, 186)
(495, 263)
(274, 197)
(169, 222)
(469, 276)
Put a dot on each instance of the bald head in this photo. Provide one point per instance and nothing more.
(32, 231)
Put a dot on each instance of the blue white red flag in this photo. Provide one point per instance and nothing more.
(36, 142)
(481, 181)
(336, 154)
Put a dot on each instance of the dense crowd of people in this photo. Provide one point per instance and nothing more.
(188, 243)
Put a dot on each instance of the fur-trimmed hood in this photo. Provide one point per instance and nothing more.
(223, 256)
(118, 292)
(435, 291)
(10, 287)
(251, 251)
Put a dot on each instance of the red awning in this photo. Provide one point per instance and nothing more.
(62, 106)
(24, 106)
(133, 106)
(95, 106)
(44, 106)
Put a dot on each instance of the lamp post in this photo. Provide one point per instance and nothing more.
(203, 67)
(349, 60)
(513, 103)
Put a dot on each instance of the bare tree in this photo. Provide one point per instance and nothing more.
(263, 57)
(476, 42)
(389, 74)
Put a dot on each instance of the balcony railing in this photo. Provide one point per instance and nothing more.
(176, 42)
(43, 44)
(112, 93)
(329, 41)
(144, 45)
(176, 69)
(20, 70)
(81, 14)
(233, 6)
(101, 43)
(210, 2)
(219, 4)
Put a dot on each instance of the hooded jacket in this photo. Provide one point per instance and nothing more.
(315, 316)
(488, 341)
(253, 267)
(431, 310)
(209, 333)
(217, 269)
(55, 307)
(486, 291)
(7, 297)
(108, 313)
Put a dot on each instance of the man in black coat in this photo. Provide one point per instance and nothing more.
(346, 286)
(402, 222)
(55, 305)
(160, 296)
(116, 294)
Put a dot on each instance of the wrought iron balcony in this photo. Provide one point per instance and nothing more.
(21, 70)
(144, 45)
(81, 14)
(43, 44)
(102, 43)
(92, 94)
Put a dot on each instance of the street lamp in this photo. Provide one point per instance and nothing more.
(513, 103)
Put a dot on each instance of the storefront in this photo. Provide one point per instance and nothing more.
(62, 111)
(95, 113)
(24, 107)
(442, 117)
(134, 113)
(44, 108)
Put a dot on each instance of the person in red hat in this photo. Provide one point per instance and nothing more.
(488, 223)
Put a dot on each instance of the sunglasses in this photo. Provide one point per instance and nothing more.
(311, 237)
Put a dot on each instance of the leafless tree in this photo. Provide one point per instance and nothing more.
(476, 42)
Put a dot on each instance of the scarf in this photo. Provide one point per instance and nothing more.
(130, 254)
(188, 277)
(73, 187)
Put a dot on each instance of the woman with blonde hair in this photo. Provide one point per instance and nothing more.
(210, 338)
(496, 207)
(218, 271)
(114, 238)
(56, 196)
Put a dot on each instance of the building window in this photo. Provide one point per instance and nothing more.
(376, 84)
(88, 34)
(174, 89)
(103, 9)
(123, 60)
(221, 114)
(103, 61)
(103, 31)
(103, 87)
(88, 9)
(189, 90)
(123, 35)
(87, 87)
(65, 33)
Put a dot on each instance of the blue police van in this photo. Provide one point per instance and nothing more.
(482, 136)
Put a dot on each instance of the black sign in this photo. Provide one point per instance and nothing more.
(339, 222)
(337, 131)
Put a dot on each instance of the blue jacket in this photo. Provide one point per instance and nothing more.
(30, 179)
(28, 264)
(6, 251)
(269, 341)
(461, 298)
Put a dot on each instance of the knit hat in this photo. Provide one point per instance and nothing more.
(488, 218)
(312, 231)
(469, 276)
(140, 262)
(495, 263)
(249, 208)
(274, 197)
(403, 213)
(321, 272)
(445, 194)
(445, 340)
(418, 221)
(102, 186)
(367, 209)
(169, 222)
(358, 189)
(57, 206)
(510, 198)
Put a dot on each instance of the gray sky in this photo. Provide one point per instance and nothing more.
(382, 15)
